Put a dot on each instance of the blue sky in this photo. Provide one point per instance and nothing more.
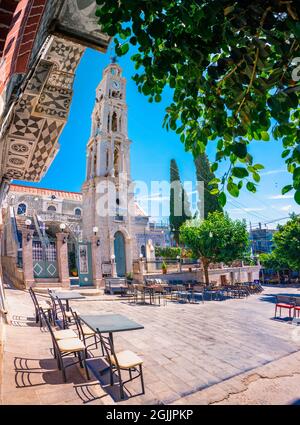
(153, 147)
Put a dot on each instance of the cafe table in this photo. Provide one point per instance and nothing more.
(67, 296)
(110, 323)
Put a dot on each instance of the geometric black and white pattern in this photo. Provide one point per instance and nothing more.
(41, 110)
(39, 78)
(26, 127)
(24, 105)
(54, 102)
(68, 55)
(43, 148)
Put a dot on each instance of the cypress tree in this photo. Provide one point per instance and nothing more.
(179, 201)
(203, 173)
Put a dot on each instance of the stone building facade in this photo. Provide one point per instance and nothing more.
(108, 201)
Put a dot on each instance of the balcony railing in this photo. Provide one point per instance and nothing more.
(55, 216)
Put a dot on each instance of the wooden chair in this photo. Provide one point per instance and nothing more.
(123, 361)
(65, 347)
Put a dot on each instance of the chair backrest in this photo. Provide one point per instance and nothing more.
(33, 297)
(77, 323)
(285, 299)
(61, 309)
(45, 318)
(107, 344)
(198, 288)
(296, 300)
(180, 288)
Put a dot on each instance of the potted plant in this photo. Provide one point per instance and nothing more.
(164, 268)
(74, 272)
(129, 277)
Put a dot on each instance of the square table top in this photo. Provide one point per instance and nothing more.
(107, 323)
(68, 295)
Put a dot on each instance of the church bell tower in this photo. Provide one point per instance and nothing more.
(107, 197)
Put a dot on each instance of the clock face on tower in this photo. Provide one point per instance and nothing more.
(115, 84)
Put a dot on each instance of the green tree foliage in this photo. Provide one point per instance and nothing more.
(231, 65)
(204, 174)
(179, 201)
(167, 252)
(216, 239)
(287, 243)
(272, 261)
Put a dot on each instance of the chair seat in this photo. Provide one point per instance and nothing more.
(65, 333)
(69, 314)
(87, 331)
(70, 344)
(44, 305)
(283, 305)
(126, 359)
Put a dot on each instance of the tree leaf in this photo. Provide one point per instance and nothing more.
(239, 149)
(286, 189)
(297, 196)
(222, 199)
(239, 172)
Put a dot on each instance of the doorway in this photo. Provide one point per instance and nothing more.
(119, 248)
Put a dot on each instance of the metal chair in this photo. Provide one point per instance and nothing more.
(38, 306)
(85, 332)
(123, 361)
(64, 347)
(64, 318)
(198, 292)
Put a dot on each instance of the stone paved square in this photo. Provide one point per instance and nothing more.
(186, 348)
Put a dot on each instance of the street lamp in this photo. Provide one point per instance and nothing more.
(112, 257)
(28, 224)
(62, 226)
(95, 231)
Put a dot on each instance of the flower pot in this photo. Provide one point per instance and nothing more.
(164, 271)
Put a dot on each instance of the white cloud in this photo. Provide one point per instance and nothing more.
(281, 197)
(286, 208)
(245, 209)
(276, 171)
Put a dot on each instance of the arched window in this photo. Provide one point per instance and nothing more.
(51, 208)
(116, 162)
(77, 212)
(21, 209)
(114, 122)
(108, 123)
(107, 159)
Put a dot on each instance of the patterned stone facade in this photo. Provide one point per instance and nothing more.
(41, 43)
(41, 112)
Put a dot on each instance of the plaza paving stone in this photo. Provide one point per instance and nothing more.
(193, 353)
